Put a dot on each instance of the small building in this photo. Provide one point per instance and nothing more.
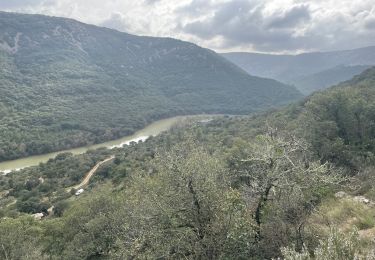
(79, 192)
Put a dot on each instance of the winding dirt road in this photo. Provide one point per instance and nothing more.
(88, 176)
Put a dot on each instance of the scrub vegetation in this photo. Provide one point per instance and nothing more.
(294, 183)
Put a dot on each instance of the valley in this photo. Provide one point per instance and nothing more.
(139, 136)
(306, 152)
(309, 72)
(119, 146)
(78, 84)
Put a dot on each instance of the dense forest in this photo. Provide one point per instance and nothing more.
(66, 84)
(294, 183)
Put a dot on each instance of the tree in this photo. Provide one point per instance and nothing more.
(185, 208)
(279, 177)
(190, 209)
(20, 239)
(60, 207)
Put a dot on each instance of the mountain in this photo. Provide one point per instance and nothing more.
(337, 122)
(65, 84)
(326, 78)
(365, 79)
(308, 71)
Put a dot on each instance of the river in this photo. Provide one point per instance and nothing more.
(151, 130)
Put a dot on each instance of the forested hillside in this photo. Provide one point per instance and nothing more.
(295, 183)
(309, 72)
(321, 80)
(66, 84)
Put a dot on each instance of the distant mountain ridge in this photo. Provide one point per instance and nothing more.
(65, 84)
(319, 69)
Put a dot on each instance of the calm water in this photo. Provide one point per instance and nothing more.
(150, 130)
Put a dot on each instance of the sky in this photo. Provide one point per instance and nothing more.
(269, 26)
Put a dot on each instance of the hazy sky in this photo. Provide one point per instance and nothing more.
(282, 26)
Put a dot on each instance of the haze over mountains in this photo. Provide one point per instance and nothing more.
(65, 83)
(309, 71)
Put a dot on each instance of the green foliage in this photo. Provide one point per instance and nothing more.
(60, 207)
(232, 188)
(340, 124)
(20, 239)
(284, 186)
(179, 201)
(184, 209)
(70, 84)
(47, 183)
(32, 205)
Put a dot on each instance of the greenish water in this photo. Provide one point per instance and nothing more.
(151, 130)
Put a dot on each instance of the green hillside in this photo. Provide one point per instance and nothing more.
(65, 84)
(314, 82)
(242, 187)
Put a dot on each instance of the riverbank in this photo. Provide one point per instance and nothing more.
(152, 129)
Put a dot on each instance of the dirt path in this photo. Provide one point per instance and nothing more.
(88, 176)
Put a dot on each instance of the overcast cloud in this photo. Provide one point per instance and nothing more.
(280, 26)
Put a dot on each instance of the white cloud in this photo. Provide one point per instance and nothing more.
(260, 25)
